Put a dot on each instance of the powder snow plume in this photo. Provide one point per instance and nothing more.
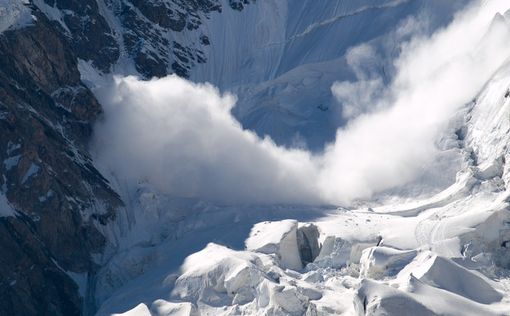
(181, 136)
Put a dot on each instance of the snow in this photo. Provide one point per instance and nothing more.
(140, 310)
(32, 170)
(297, 50)
(165, 308)
(11, 162)
(5, 207)
(14, 14)
(279, 238)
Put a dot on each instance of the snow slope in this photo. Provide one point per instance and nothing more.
(281, 58)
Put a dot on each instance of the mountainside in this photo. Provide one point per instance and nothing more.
(82, 234)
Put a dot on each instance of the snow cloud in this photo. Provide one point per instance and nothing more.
(181, 136)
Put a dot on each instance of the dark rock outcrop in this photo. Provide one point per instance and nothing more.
(88, 32)
(47, 175)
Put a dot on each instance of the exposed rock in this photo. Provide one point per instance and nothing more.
(88, 32)
(239, 4)
(46, 122)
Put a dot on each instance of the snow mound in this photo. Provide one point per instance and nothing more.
(446, 303)
(376, 299)
(165, 308)
(140, 310)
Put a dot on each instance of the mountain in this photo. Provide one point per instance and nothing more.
(78, 238)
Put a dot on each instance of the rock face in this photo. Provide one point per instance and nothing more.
(46, 117)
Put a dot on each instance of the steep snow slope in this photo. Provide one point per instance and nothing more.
(282, 57)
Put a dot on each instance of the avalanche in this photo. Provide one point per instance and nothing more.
(393, 253)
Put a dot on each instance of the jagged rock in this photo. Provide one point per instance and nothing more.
(89, 35)
(49, 178)
(239, 4)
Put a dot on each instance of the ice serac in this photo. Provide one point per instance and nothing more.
(244, 281)
(279, 238)
(308, 242)
(449, 276)
(377, 262)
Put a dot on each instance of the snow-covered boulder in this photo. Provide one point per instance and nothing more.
(278, 238)
(14, 13)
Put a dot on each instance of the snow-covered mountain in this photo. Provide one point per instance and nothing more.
(345, 158)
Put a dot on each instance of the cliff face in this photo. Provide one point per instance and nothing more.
(46, 117)
(138, 34)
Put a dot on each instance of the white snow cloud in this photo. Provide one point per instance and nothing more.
(434, 77)
(182, 138)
